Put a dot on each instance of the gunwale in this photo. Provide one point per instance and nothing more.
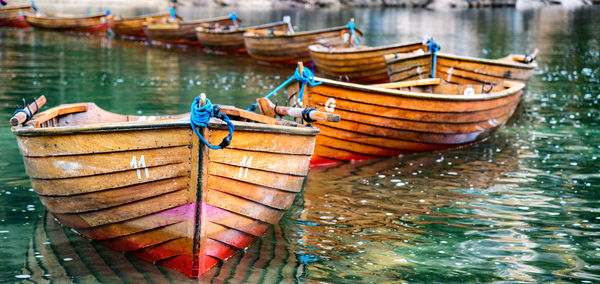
(14, 8)
(238, 30)
(352, 50)
(497, 62)
(251, 34)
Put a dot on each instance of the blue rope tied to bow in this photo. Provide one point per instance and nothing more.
(352, 26)
(233, 17)
(172, 12)
(35, 7)
(433, 48)
(307, 77)
(200, 117)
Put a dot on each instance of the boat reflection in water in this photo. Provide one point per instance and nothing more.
(394, 216)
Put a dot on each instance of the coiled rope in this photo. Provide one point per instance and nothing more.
(200, 117)
(233, 17)
(307, 77)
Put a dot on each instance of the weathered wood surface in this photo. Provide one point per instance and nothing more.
(458, 69)
(153, 190)
(290, 48)
(362, 64)
(183, 32)
(82, 24)
(134, 27)
(231, 39)
(421, 115)
(14, 17)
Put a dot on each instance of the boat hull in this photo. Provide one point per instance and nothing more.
(92, 24)
(361, 65)
(14, 17)
(458, 69)
(134, 27)
(231, 41)
(289, 48)
(154, 191)
(183, 33)
(378, 122)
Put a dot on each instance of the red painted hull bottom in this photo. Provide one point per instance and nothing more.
(171, 237)
(18, 23)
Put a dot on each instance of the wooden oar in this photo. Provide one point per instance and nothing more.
(268, 108)
(27, 112)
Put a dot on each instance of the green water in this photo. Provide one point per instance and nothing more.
(521, 206)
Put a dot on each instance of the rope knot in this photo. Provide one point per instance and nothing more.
(200, 117)
(307, 77)
(352, 27)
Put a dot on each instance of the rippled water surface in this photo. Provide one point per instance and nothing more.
(524, 205)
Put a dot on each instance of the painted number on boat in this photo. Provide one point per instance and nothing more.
(141, 164)
(330, 105)
(246, 163)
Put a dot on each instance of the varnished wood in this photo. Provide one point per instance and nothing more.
(134, 26)
(182, 32)
(149, 187)
(393, 118)
(229, 38)
(362, 64)
(84, 24)
(289, 48)
(13, 17)
(459, 69)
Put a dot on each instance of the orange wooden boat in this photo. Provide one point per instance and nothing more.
(134, 27)
(14, 17)
(362, 64)
(402, 117)
(183, 32)
(230, 38)
(82, 24)
(291, 47)
(460, 69)
(148, 187)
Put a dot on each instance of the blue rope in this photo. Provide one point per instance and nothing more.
(233, 17)
(173, 15)
(35, 7)
(200, 117)
(433, 48)
(306, 78)
(352, 25)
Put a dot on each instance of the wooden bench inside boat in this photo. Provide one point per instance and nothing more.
(439, 86)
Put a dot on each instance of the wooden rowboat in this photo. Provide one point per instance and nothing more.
(183, 32)
(290, 48)
(362, 64)
(393, 118)
(231, 39)
(82, 24)
(460, 69)
(134, 27)
(147, 185)
(14, 17)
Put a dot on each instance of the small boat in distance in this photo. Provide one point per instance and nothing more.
(231, 38)
(291, 47)
(184, 32)
(134, 26)
(403, 117)
(70, 23)
(14, 16)
(148, 186)
(460, 69)
(360, 64)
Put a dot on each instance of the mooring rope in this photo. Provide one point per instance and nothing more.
(200, 117)
(233, 17)
(307, 77)
(433, 48)
(352, 27)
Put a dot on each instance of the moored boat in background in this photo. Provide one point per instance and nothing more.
(149, 187)
(292, 47)
(460, 69)
(231, 38)
(14, 16)
(134, 26)
(361, 64)
(184, 32)
(70, 23)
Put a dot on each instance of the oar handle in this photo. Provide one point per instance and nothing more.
(315, 115)
(25, 113)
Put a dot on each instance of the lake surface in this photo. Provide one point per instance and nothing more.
(523, 205)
